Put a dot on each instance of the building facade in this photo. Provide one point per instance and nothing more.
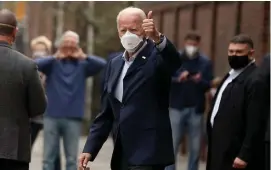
(217, 22)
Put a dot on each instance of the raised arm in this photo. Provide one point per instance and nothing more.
(45, 64)
(94, 65)
(169, 54)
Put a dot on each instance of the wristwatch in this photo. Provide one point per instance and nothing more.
(161, 38)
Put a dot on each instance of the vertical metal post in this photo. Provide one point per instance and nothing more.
(26, 31)
(60, 19)
(90, 51)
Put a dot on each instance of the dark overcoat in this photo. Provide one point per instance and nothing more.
(239, 126)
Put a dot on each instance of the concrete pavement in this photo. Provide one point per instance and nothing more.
(102, 162)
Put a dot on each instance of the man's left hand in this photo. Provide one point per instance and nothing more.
(79, 54)
(239, 164)
(150, 29)
(196, 77)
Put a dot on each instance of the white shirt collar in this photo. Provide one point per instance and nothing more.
(132, 58)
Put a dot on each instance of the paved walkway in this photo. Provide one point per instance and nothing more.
(102, 161)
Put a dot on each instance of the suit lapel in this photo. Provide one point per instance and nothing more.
(239, 79)
(132, 79)
(245, 73)
(219, 87)
(116, 68)
(215, 97)
(228, 93)
(140, 59)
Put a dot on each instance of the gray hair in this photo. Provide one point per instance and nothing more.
(132, 10)
(67, 34)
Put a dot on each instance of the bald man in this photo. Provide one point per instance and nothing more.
(135, 98)
(21, 98)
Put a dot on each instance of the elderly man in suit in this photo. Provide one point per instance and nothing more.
(109, 57)
(21, 98)
(135, 99)
(236, 123)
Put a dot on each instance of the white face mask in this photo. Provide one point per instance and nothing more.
(39, 54)
(191, 50)
(130, 41)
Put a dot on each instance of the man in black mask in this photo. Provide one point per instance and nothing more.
(235, 125)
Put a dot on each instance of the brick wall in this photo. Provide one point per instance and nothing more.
(217, 22)
(40, 20)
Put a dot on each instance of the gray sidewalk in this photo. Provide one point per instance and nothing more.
(102, 162)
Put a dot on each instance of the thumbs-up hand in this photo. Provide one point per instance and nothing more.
(149, 28)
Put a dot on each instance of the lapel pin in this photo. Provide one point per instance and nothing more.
(144, 57)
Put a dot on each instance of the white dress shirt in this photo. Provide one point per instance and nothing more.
(127, 64)
(232, 75)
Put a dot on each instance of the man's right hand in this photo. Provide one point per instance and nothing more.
(83, 160)
(183, 76)
(59, 55)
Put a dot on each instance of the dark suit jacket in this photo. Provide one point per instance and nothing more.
(110, 57)
(141, 122)
(263, 72)
(21, 98)
(238, 129)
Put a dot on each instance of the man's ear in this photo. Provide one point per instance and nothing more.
(252, 51)
(15, 30)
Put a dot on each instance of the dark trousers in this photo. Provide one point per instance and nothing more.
(125, 166)
(267, 155)
(158, 167)
(6, 164)
(35, 129)
(124, 163)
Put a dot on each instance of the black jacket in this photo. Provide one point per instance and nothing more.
(141, 121)
(239, 128)
(263, 72)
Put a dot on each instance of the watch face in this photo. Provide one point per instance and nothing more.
(161, 39)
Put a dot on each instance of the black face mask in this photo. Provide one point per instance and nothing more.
(238, 62)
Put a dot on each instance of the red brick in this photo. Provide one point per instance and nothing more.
(204, 27)
(185, 21)
(168, 25)
(156, 18)
(252, 24)
(225, 30)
